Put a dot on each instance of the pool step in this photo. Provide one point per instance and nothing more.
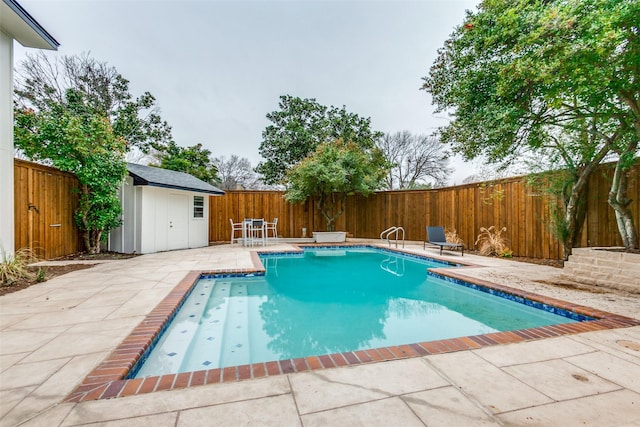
(223, 335)
(206, 346)
(235, 345)
(172, 351)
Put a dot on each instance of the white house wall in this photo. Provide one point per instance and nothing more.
(24, 29)
(7, 236)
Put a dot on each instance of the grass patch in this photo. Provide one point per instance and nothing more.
(13, 267)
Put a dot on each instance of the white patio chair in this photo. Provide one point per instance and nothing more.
(235, 226)
(273, 227)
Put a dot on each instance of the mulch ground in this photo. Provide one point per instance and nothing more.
(50, 273)
(557, 263)
(83, 256)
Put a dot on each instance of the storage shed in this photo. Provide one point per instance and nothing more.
(162, 210)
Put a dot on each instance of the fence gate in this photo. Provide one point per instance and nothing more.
(45, 200)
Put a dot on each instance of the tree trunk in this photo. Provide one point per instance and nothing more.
(619, 201)
(618, 195)
(575, 209)
(86, 237)
(91, 237)
(81, 216)
(96, 236)
(329, 209)
(574, 205)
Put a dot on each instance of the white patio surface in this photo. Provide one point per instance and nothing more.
(53, 334)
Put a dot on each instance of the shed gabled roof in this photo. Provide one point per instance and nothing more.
(158, 177)
(17, 22)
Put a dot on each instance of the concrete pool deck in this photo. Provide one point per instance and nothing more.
(55, 333)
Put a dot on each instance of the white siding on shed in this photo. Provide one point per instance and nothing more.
(158, 219)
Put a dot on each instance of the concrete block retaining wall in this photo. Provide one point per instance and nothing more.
(605, 268)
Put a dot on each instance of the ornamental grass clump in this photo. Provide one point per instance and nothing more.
(13, 267)
(452, 237)
(491, 243)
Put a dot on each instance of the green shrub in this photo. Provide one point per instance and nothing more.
(506, 253)
(41, 275)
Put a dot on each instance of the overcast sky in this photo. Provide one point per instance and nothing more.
(217, 68)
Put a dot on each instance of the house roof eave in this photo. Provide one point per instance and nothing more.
(163, 178)
(20, 25)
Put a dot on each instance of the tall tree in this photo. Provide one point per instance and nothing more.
(77, 114)
(299, 126)
(415, 159)
(334, 171)
(527, 74)
(194, 160)
(43, 83)
(235, 173)
(87, 147)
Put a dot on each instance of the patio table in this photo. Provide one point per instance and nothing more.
(250, 228)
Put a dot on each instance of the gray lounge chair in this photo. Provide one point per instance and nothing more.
(435, 236)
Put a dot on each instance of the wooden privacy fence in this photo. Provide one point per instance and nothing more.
(44, 203)
(45, 200)
(524, 210)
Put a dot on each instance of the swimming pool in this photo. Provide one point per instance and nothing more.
(324, 301)
(112, 377)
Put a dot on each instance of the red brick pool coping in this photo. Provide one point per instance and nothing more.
(108, 381)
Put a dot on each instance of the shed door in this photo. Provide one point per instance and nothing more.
(178, 218)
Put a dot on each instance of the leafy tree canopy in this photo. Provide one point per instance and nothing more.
(194, 160)
(87, 147)
(530, 75)
(77, 114)
(299, 126)
(334, 171)
(516, 69)
(84, 86)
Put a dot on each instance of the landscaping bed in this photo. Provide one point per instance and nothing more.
(557, 263)
(52, 271)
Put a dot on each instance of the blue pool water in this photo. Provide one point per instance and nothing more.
(327, 301)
